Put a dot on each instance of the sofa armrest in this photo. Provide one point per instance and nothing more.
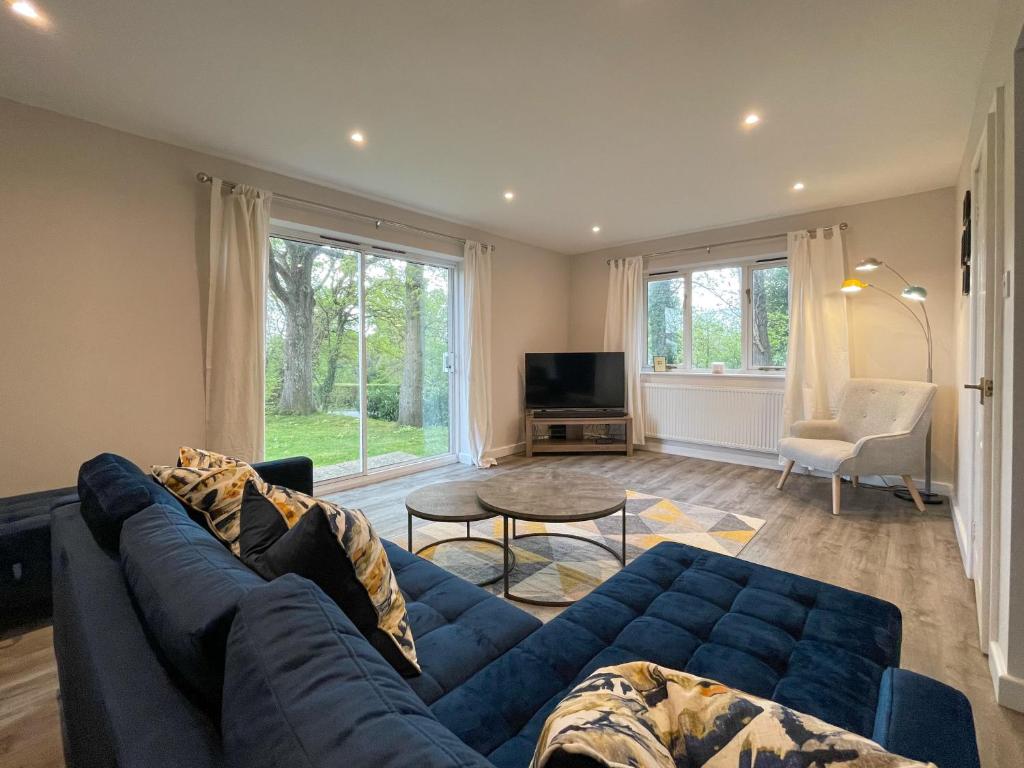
(295, 473)
(926, 720)
(817, 429)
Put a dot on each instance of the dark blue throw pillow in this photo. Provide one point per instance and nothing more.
(111, 490)
(311, 549)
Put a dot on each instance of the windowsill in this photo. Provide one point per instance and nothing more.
(770, 375)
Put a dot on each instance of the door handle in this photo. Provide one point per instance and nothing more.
(985, 389)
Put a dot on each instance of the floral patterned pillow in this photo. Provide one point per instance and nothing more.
(644, 716)
(212, 484)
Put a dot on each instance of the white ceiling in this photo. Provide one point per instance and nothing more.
(624, 113)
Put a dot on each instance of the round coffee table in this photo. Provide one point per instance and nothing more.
(551, 495)
(451, 502)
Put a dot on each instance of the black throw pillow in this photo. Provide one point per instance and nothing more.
(311, 549)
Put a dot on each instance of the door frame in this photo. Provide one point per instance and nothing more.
(364, 247)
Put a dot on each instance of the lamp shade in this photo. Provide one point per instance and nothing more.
(853, 285)
(868, 265)
(914, 293)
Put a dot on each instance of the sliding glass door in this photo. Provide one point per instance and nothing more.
(358, 344)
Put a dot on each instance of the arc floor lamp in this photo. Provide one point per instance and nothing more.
(918, 295)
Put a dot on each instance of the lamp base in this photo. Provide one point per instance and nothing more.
(927, 498)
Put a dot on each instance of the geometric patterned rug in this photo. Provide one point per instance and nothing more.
(565, 569)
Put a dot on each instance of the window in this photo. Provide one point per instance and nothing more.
(665, 301)
(718, 318)
(736, 314)
(769, 316)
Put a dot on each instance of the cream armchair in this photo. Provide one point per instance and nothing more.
(880, 430)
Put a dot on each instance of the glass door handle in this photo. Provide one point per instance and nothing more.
(985, 389)
(449, 362)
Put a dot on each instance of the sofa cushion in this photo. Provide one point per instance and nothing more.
(111, 490)
(810, 646)
(826, 455)
(187, 587)
(909, 707)
(315, 549)
(459, 627)
(304, 689)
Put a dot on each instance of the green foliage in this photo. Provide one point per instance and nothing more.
(717, 318)
(770, 300)
(665, 320)
(336, 335)
(332, 438)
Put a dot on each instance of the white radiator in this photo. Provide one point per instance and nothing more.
(750, 419)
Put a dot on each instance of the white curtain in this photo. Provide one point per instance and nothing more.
(818, 364)
(623, 332)
(476, 351)
(236, 305)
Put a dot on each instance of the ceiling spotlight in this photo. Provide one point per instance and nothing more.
(595, 229)
(357, 137)
(510, 195)
(752, 119)
(868, 265)
(798, 186)
(27, 9)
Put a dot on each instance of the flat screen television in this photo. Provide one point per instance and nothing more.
(575, 380)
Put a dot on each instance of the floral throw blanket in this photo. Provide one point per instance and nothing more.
(640, 715)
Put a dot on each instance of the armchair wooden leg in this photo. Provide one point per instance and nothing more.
(855, 481)
(914, 494)
(785, 474)
(837, 482)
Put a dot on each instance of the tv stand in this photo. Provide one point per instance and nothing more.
(572, 444)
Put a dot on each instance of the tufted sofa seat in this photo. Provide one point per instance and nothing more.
(808, 645)
(449, 614)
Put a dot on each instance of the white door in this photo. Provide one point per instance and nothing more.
(981, 405)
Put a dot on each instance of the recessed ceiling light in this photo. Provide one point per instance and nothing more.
(26, 9)
(798, 186)
(357, 137)
(510, 195)
(752, 119)
(595, 228)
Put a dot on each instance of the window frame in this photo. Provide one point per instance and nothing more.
(747, 267)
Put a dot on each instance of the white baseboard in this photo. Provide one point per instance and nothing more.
(763, 460)
(712, 453)
(1009, 688)
(495, 453)
(963, 540)
(505, 450)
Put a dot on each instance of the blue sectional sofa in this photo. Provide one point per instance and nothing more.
(172, 653)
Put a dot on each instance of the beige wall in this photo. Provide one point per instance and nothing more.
(102, 235)
(913, 233)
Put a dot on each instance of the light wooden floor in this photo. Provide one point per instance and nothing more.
(880, 545)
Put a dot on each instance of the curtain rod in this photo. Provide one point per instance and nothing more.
(842, 226)
(378, 221)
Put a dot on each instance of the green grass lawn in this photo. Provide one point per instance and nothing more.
(331, 438)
